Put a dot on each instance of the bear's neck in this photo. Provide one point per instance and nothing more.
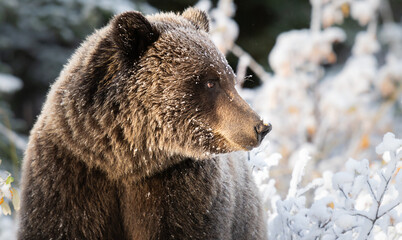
(113, 155)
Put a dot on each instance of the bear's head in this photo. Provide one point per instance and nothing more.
(180, 88)
(158, 85)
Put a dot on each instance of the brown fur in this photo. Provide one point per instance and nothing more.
(124, 147)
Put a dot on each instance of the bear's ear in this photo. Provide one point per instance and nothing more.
(197, 17)
(133, 33)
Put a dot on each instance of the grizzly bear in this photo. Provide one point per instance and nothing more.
(130, 140)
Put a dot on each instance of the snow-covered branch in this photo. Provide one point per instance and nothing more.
(363, 202)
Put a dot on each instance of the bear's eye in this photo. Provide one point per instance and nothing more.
(210, 84)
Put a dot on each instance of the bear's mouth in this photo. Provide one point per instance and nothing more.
(233, 146)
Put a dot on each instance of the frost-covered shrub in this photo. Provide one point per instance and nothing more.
(362, 202)
(323, 116)
(8, 196)
(223, 29)
(8, 193)
(340, 110)
(11, 147)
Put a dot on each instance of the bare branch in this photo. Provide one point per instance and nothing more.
(344, 194)
(253, 64)
(362, 215)
(371, 190)
(388, 210)
(13, 137)
(385, 187)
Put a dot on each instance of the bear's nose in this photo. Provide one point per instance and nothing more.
(262, 130)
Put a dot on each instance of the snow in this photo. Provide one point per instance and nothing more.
(331, 15)
(8, 228)
(287, 56)
(204, 5)
(320, 210)
(223, 29)
(365, 43)
(9, 83)
(345, 221)
(390, 143)
(298, 172)
(398, 228)
(359, 167)
(364, 10)
(259, 159)
(6, 190)
(342, 178)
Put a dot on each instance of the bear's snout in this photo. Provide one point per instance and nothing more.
(240, 125)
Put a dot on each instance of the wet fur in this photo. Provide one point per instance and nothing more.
(122, 147)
